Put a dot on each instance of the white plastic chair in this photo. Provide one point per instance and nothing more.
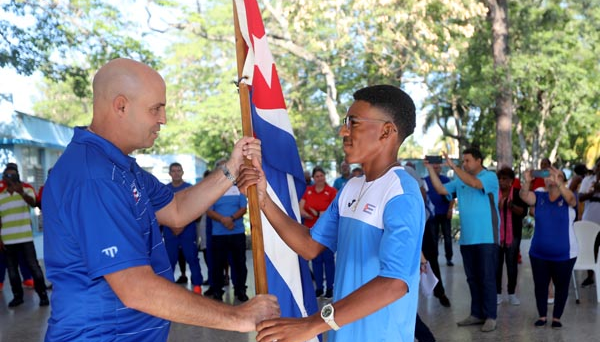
(586, 232)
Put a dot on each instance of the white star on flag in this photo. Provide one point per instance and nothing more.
(264, 59)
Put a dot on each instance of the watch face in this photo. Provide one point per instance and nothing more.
(327, 310)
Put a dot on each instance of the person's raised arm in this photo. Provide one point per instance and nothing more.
(567, 194)
(526, 195)
(295, 235)
(464, 176)
(140, 289)
(435, 179)
(190, 203)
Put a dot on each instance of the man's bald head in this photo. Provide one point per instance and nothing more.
(129, 104)
(120, 76)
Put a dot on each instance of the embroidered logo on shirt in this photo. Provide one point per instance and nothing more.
(135, 192)
(351, 203)
(369, 208)
(110, 251)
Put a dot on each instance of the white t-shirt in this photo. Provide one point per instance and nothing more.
(591, 211)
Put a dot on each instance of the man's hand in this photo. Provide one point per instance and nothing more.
(245, 148)
(258, 309)
(289, 329)
(227, 221)
(253, 175)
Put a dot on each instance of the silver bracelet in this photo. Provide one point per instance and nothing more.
(227, 174)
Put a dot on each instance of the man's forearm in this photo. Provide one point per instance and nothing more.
(295, 235)
(436, 182)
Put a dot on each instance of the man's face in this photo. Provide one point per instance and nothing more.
(345, 169)
(176, 173)
(470, 164)
(437, 168)
(147, 113)
(362, 138)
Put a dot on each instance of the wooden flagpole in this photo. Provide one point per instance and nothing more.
(258, 248)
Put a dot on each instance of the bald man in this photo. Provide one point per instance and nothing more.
(103, 249)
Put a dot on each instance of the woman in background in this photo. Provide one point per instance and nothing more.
(553, 247)
(315, 200)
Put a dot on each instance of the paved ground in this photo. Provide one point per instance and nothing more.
(515, 323)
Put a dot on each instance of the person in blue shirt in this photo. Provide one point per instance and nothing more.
(554, 249)
(339, 182)
(476, 190)
(185, 242)
(441, 221)
(103, 249)
(375, 225)
(229, 241)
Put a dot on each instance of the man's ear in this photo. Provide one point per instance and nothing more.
(119, 104)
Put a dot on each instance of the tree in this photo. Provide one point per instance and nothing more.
(64, 40)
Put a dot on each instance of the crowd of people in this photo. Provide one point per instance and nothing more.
(109, 224)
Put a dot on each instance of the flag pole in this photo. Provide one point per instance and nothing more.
(258, 248)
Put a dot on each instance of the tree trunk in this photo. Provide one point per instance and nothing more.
(498, 16)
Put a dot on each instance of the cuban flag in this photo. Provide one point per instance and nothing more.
(288, 276)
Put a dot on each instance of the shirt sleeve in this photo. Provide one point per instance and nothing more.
(159, 194)
(400, 249)
(451, 188)
(109, 234)
(325, 230)
(489, 181)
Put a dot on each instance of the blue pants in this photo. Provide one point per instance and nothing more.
(190, 252)
(480, 262)
(324, 259)
(25, 272)
(560, 273)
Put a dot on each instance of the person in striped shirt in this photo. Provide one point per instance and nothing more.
(16, 235)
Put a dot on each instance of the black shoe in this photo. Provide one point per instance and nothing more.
(318, 293)
(540, 323)
(587, 282)
(44, 301)
(209, 292)
(556, 325)
(329, 293)
(242, 297)
(217, 296)
(449, 263)
(15, 302)
(444, 301)
(205, 282)
(182, 280)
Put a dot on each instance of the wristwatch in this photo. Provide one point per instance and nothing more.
(327, 315)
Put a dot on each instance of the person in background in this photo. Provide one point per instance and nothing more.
(538, 182)
(308, 177)
(512, 212)
(358, 172)
(344, 177)
(25, 272)
(476, 190)
(442, 220)
(315, 201)
(184, 242)
(589, 195)
(553, 250)
(229, 240)
(16, 235)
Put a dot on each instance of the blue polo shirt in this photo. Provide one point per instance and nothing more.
(227, 205)
(478, 208)
(99, 218)
(189, 232)
(381, 235)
